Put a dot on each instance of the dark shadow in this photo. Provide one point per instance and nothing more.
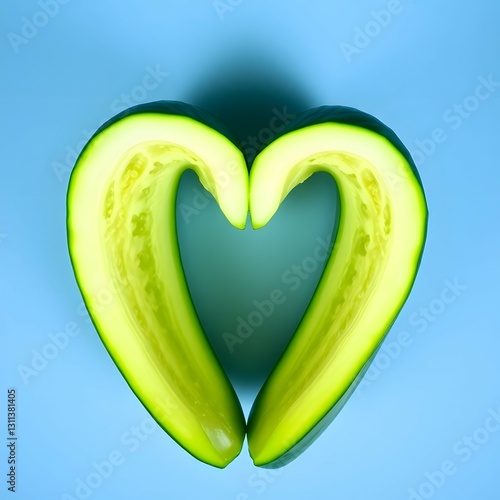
(246, 93)
(231, 273)
(251, 95)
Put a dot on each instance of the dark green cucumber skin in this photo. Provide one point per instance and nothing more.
(314, 116)
(323, 114)
(357, 118)
(175, 108)
(348, 116)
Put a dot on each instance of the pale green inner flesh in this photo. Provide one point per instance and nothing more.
(314, 372)
(138, 232)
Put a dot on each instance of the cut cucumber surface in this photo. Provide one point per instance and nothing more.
(123, 244)
(122, 238)
(377, 251)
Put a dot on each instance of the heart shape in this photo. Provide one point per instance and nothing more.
(122, 241)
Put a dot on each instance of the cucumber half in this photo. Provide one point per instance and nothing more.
(368, 276)
(123, 243)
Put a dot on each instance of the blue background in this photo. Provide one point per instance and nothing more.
(84, 62)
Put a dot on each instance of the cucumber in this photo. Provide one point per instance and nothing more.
(122, 242)
(367, 279)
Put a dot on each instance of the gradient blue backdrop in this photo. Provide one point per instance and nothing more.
(69, 69)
